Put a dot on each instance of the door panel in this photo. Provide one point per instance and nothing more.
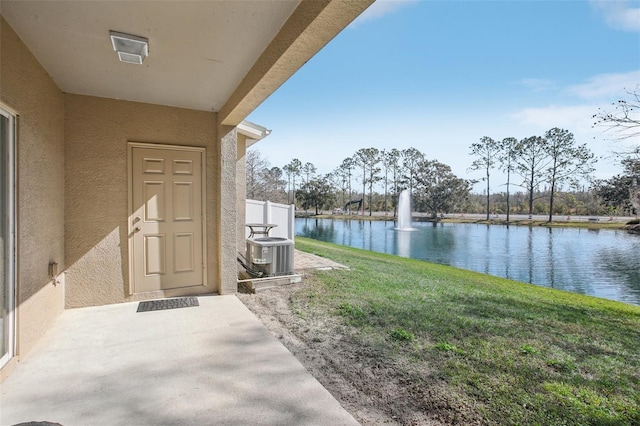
(182, 201)
(155, 255)
(183, 167)
(183, 252)
(153, 165)
(167, 219)
(154, 200)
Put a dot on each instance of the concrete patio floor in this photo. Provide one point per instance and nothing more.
(305, 261)
(211, 364)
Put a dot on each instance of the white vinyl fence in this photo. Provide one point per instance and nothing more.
(265, 212)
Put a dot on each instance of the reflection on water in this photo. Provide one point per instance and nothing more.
(603, 263)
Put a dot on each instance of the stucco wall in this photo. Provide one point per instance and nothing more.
(26, 88)
(97, 132)
(228, 208)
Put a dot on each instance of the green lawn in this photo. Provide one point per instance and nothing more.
(511, 353)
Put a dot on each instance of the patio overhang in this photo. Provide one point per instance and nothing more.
(220, 56)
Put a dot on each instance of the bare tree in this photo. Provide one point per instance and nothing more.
(624, 118)
(255, 164)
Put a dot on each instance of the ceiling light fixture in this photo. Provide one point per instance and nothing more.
(131, 49)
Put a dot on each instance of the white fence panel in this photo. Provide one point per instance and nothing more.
(281, 215)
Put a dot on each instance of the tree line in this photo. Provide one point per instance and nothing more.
(552, 167)
(371, 177)
(537, 166)
(553, 159)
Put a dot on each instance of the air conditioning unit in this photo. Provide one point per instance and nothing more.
(271, 255)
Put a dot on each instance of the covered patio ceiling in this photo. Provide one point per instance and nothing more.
(222, 56)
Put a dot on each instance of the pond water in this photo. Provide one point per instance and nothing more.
(603, 263)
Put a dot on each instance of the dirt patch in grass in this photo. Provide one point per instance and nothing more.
(358, 376)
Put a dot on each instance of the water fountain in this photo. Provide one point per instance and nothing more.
(404, 212)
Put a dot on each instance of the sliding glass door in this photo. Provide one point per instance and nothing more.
(7, 236)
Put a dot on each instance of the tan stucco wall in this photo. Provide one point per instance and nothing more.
(228, 208)
(97, 132)
(26, 88)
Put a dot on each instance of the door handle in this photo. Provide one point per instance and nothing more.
(136, 229)
(136, 219)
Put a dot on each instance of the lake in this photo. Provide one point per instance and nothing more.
(603, 263)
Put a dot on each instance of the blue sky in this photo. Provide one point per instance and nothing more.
(439, 75)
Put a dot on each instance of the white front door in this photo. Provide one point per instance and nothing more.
(167, 218)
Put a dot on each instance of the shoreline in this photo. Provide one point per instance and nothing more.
(579, 222)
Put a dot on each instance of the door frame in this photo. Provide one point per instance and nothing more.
(130, 206)
(12, 244)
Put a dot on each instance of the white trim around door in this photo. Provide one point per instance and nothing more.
(8, 234)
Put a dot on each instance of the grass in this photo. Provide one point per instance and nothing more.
(516, 353)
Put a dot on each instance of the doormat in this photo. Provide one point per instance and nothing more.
(159, 305)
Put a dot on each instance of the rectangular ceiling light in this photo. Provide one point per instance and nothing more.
(131, 49)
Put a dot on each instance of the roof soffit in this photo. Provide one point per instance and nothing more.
(199, 50)
(225, 56)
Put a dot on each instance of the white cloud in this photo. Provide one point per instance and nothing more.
(606, 86)
(380, 8)
(619, 14)
(567, 117)
(578, 120)
(582, 102)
